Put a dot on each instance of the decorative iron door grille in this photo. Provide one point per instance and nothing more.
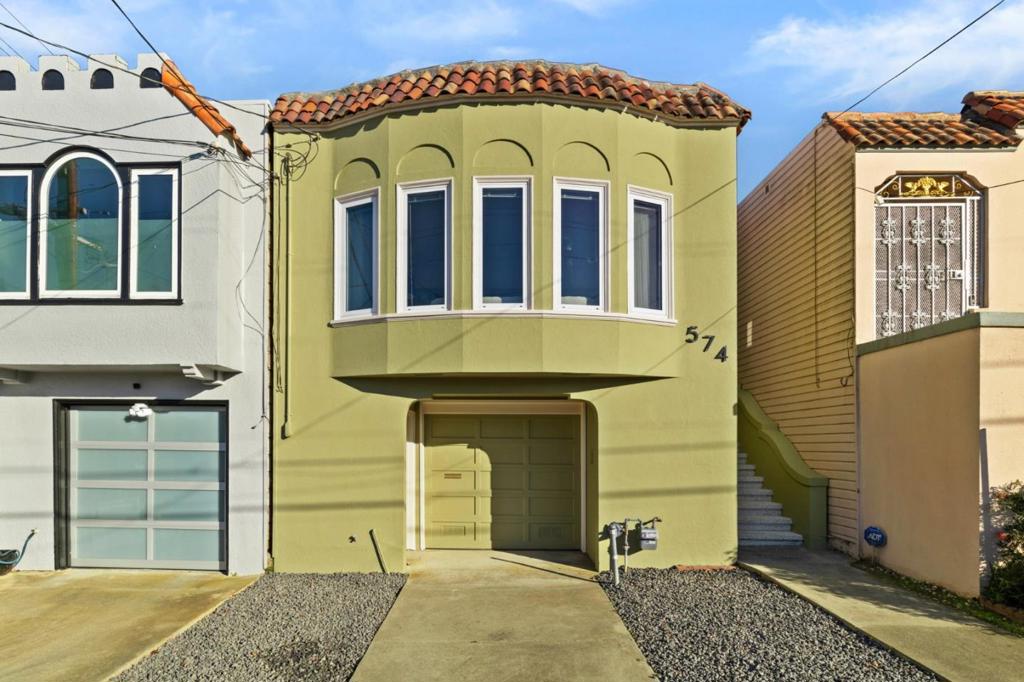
(926, 262)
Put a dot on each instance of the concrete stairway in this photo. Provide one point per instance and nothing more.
(761, 521)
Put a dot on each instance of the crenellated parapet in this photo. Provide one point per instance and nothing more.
(60, 73)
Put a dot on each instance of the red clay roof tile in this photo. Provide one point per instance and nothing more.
(899, 130)
(598, 84)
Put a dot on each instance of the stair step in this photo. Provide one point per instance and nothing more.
(746, 468)
(764, 522)
(754, 491)
(776, 537)
(749, 479)
(758, 504)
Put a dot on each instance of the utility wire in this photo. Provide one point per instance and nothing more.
(917, 61)
(11, 48)
(22, 24)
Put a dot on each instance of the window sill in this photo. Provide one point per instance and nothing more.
(516, 313)
(91, 301)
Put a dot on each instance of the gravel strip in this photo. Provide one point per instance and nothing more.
(731, 625)
(285, 626)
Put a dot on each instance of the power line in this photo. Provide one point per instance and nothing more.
(11, 48)
(918, 60)
(22, 24)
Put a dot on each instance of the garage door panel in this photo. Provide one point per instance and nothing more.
(563, 480)
(559, 507)
(456, 456)
(553, 453)
(525, 487)
(505, 479)
(448, 482)
(508, 506)
(147, 492)
(454, 427)
(502, 427)
(553, 427)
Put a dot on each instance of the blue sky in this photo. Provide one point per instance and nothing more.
(787, 61)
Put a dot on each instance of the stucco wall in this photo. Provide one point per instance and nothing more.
(1003, 209)
(919, 457)
(98, 351)
(665, 432)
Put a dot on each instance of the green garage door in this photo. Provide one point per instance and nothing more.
(502, 482)
(147, 492)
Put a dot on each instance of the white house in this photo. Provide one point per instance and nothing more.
(133, 418)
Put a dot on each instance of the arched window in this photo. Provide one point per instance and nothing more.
(928, 246)
(150, 78)
(101, 79)
(7, 80)
(81, 247)
(53, 80)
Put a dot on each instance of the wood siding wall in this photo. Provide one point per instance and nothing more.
(796, 313)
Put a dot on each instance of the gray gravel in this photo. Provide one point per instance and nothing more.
(285, 626)
(731, 625)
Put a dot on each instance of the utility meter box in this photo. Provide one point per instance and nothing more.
(648, 538)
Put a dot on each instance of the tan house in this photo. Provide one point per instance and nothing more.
(881, 329)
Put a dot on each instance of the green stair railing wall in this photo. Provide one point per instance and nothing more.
(802, 492)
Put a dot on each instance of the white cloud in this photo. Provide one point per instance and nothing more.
(593, 7)
(452, 22)
(846, 57)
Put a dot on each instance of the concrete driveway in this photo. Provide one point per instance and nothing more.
(497, 616)
(89, 624)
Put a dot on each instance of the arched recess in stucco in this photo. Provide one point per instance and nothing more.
(425, 158)
(580, 159)
(357, 174)
(502, 153)
(650, 170)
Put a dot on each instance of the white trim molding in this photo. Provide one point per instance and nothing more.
(341, 204)
(602, 188)
(664, 201)
(523, 183)
(402, 247)
(19, 295)
(134, 235)
(44, 196)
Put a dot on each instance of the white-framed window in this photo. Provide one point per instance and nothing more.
(80, 229)
(154, 234)
(424, 246)
(15, 233)
(501, 243)
(356, 270)
(580, 243)
(649, 252)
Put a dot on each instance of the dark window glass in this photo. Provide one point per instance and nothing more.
(82, 228)
(53, 80)
(13, 234)
(359, 263)
(502, 245)
(647, 255)
(7, 80)
(425, 243)
(155, 233)
(101, 80)
(581, 241)
(150, 78)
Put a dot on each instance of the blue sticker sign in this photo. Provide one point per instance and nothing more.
(874, 536)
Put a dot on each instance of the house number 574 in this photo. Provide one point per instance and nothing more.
(693, 335)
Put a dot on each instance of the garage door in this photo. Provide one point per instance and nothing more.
(502, 482)
(147, 492)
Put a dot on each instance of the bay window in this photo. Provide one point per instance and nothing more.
(355, 258)
(500, 243)
(580, 226)
(649, 250)
(424, 227)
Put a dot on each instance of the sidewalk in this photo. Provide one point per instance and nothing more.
(949, 643)
(489, 615)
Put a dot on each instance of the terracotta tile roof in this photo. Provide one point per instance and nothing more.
(177, 85)
(939, 130)
(539, 79)
(1002, 107)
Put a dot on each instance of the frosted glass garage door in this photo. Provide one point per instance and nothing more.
(147, 492)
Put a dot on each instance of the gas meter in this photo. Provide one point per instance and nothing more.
(648, 537)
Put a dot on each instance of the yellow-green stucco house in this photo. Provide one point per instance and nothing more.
(485, 278)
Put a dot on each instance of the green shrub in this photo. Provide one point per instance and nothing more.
(1006, 585)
